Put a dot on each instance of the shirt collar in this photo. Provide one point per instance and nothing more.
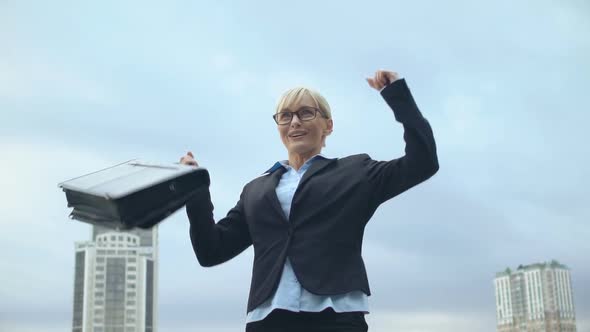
(285, 163)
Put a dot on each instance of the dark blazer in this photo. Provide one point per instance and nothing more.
(333, 203)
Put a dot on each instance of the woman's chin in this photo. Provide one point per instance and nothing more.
(301, 148)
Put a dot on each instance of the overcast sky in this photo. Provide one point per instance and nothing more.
(504, 84)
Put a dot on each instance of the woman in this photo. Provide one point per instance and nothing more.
(306, 215)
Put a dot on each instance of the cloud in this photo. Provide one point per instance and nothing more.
(31, 79)
(20, 327)
(505, 101)
(428, 322)
(583, 325)
(34, 220)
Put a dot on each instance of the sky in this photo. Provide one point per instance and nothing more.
(86, 85)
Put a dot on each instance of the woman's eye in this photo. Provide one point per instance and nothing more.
(284, 115)
(306, 113)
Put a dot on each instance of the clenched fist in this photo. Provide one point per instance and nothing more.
(382, 79)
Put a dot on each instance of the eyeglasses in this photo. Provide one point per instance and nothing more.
(304, 114)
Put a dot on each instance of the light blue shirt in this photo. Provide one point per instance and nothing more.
(289, 294)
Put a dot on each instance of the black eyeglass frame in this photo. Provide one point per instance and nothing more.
(315, 115)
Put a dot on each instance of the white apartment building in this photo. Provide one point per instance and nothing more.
(535, 298)
(115, 282)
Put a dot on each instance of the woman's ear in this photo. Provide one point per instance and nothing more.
(329, 127)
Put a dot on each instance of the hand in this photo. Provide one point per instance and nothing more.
(189, 159)
(382, 79)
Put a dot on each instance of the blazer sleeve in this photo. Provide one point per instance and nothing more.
(216, 243)
(420, 162)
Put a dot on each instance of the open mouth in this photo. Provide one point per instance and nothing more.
(296, 135)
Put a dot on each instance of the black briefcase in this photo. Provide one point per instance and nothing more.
(133, 194)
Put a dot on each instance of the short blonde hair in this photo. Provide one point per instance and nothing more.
(294, 96)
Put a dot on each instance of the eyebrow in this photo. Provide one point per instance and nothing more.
(302, 107)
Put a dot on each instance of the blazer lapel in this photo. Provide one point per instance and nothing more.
(270, 193)
(272, 180)
(315, 167)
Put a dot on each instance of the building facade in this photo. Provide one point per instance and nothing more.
(535, 298)
(115, 282)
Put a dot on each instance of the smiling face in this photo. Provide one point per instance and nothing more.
(304, 138)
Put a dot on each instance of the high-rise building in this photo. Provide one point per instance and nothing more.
(115, 281)
(536, 297)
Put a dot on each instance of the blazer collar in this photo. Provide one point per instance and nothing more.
(283, 163)
(274, 167)
(273, 176)
(316, 166)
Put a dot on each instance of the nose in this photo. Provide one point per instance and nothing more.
(293, 122)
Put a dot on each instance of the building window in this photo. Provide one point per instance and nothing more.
(131, 268)
(131, 277)
(79, 286)
(114, 294)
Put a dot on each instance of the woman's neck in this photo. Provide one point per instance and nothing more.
(296, 160)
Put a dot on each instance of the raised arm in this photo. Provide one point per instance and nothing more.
(420, 162)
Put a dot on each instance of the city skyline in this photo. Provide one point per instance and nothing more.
(87, 85)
